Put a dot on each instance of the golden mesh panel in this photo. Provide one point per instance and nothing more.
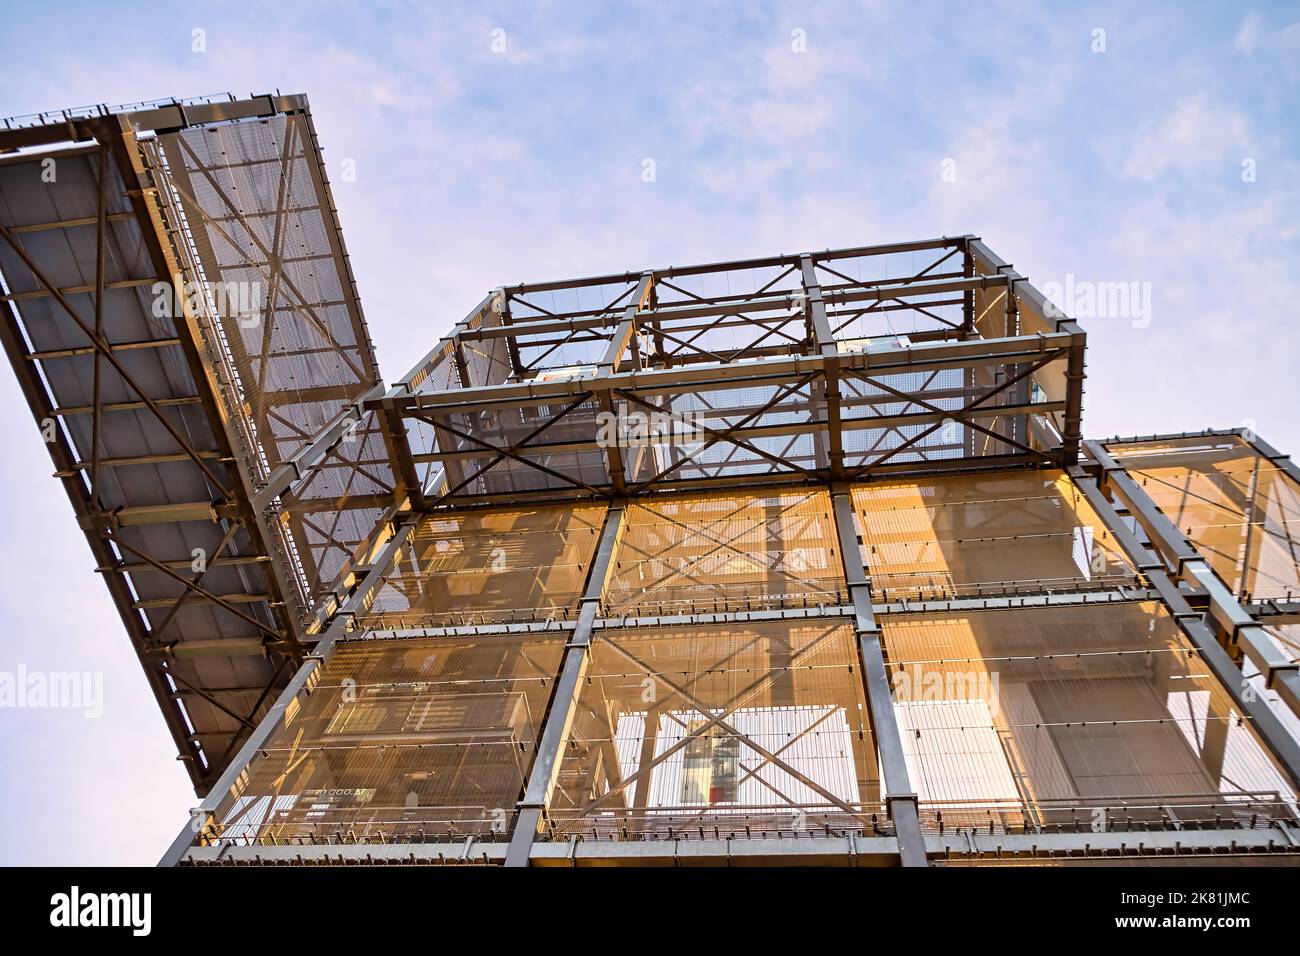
(1018, 531)
(682, 731)
(490, 566)
(725, 551)
(1089, 715)
(1241, 512)
(401, 741)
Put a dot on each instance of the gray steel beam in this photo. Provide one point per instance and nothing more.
(983, 463)
(1280, 743)
(1269, 453)
(1262, 843)
(314, 452)
(623, 336)
(833, 426)
(1280, 672)
(770, 302)
(1022, 289)
(926, 356)
(1274, 612)
(626, 329)
(671, 272)
(899, 795)
(1114, 595)
(549, 751)
(831, 445)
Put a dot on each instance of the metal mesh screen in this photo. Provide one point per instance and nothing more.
(758, 728)
(999, 533)
(490, 566)
(1087, 716)
(469, 445)
(1240, 511)
(400, 741)
(725, 552)
(248, 210)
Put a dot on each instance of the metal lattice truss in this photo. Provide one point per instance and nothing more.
(179, 310)
(820, 367)
(614, 526)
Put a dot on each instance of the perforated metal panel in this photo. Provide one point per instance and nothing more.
(726, 552)
(251, 215)
(998, 533)
(1092, 716)
(489, 566)
(400, 741)
(1240, 510)
(757, 728)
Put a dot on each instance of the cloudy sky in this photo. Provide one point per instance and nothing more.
(498, 143)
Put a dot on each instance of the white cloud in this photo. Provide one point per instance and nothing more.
(1249, 34)
(1199, 134)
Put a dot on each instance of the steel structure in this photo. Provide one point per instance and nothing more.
(800, 559)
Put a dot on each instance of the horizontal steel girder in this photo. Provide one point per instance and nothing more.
(815, 850)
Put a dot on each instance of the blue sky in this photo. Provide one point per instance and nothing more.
(477, 167)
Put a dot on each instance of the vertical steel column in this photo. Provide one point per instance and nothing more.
(1020, 287)
(1075, 373)
(563, 703)
(624, 334)
(201, 818)
(832, 443)
(1192, 623)
(899, 796)
(968, 297)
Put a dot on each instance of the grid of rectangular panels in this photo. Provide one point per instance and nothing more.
(725, 551)
(1240, 511)
(490, 567)
(1003, 532)
(400, 741)
(1086, 716)
(248, 211)
(757, 728)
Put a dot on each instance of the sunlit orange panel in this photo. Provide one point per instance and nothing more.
(400, 740)
(726, 551)
(490, 566)
(1240, 510)
(1074, 715)
(1004, 532)
(760, 726)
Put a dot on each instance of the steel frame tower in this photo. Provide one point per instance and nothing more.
(797, 559)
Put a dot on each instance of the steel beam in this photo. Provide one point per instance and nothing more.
(925, 356)
(1280, 672)
(549, 751)
(1284, 747)
(899, 795)
(311, 455)
(1278, 843)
